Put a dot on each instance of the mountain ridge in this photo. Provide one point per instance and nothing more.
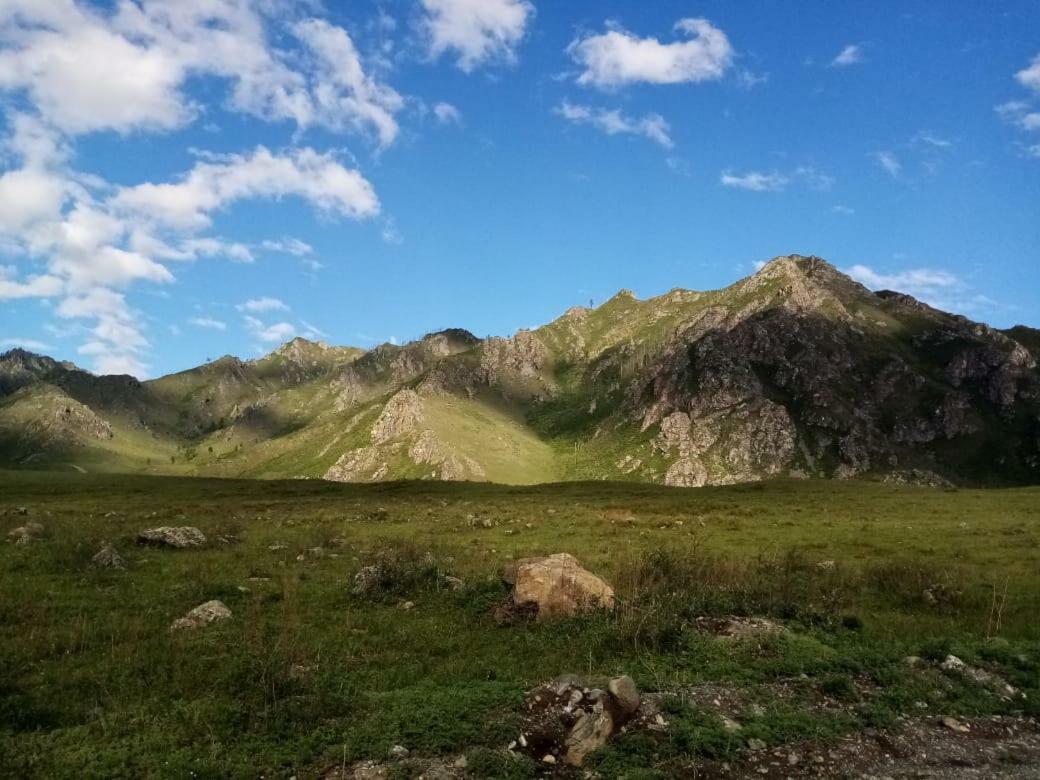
(796, 370)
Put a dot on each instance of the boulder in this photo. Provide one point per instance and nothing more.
(108, 558)
(559, 586)
(203, 615)
(179, 538)
(26, 534)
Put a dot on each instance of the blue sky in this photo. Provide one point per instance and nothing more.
(183, 179)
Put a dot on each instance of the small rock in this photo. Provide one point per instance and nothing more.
(454, 583)
(756, 744)
(955, 725)
(461, 762)
(407, 605)
(399, 752)
(625, 693)
(204, 614)
(548, 758)
(730, 725)
(180, 538)
(25, 534)
(108, 558)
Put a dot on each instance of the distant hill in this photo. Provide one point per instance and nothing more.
(795, 371)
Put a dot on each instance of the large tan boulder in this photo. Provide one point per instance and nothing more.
(559, 586)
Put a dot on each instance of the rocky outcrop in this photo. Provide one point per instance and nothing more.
(398, 432)
(178, 538)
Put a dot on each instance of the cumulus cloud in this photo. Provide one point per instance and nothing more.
(86, 70)
(476, 31)
(270, 334)
(889, 162)
(613, 122)
(221, 180)
(208, 323)
(756, 181)
(850, 55)
(259, 305)
(618, 57)
(1030, 75)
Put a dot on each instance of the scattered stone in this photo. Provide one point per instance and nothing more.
(277, 547)
(181, 537)
(22, 510)
(955, 725)
(565, 719)
(108, 558)
(461, 762)
(26, 534)
(548, 758)
(756, 744)
(202, 615)
(407, 605)
(399, 752)
(739, 627)
(730, 725)
(954, 665)
(560, 586)
(367, 580)
(453, 583)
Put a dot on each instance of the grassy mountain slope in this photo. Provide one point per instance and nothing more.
(795, 371)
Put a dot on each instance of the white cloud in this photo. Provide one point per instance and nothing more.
(30, 344)
(208, 323)
(889, 162)
(755, 181)
(33, 287)
(447, 114)
(613, 122)
(1030, 75)
(221, 180)
(933, 140)
(278, 333)
(937, 287)
(85, 70)
(258, 305)
(116, 342)
(618, 57)
(478, 31)
(914, 280)
(850, 55)
(845, 211)
(1020, 114)
(342, 94)
(288, 245)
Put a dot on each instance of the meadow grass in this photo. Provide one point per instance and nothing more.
(308, 675)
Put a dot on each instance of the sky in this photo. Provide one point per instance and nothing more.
(184, 179)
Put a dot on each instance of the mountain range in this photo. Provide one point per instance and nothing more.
(795, 371)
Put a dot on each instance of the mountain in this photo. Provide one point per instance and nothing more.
(795, 371)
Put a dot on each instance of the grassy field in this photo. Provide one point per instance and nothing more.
(307, 676)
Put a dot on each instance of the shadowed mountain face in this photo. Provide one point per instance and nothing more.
(795, 371)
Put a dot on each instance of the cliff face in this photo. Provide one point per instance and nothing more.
(795, 371)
